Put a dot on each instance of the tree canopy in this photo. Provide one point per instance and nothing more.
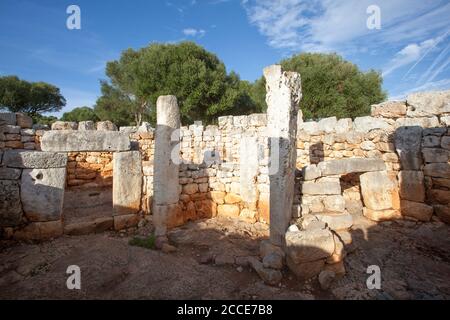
(80, 114)
(195, 76)
(331, 86)
(32, 98)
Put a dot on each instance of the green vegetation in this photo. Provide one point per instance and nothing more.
(195, 76)
(80, 114)
(32, 98)
(331, 86)
(148, 242)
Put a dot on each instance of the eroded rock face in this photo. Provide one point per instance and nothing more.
(127, 186)
(64, 125)
(355, 165)
(412, 185)
(408, 146)
(309, 245)
(33, 159)
(42, 193)
(377, 190)
(424, 104)
(389, 109)
(74, 141)
(106, 126)
(10, 206)
(416, 210)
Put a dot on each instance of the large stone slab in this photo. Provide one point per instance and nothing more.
(423, 104)
(127, 182)
(249, 166)
(389, 109)
(42, 193)
(438, 170)
(283, 96)
(309, 245)
(81, 141)
(9, 173)
(10, 207)
(408, 143)
(416, 210)
(34, 159)
(412, 185)
(321, 188)
(366, 124)
(355, 165)
(377, 190)
(8, 118)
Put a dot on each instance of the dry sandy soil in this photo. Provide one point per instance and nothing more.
(414, 259)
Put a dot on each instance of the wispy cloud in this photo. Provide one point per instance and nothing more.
(192, 32)
(443, 84)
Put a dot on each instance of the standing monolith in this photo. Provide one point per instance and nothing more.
(283, 96)
(166, 160)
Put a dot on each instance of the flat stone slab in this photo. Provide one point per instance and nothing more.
(127, 186)
(355, 165)
(34, 159)
(83, 141)
(309, 245)
(8, 118)
(321, 188)
(42, 193)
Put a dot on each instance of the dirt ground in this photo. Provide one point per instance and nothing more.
(414, 259)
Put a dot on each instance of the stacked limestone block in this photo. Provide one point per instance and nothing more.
(89, 169)
(16, 132)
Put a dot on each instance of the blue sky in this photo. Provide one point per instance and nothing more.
(412, 48)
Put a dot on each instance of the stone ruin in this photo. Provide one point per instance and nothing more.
(308, 180)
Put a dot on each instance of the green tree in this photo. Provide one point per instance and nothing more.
(331, 86)
(195, 76)
(44, 120)
(32, 98)
(80, 114)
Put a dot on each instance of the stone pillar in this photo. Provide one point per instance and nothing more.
(283, 96)
(166, 161)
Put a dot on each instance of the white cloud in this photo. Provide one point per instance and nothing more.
(192, 32)
(443, 84)
(411, 53)
(329, 25)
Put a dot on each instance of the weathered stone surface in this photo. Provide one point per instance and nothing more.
(40, 231)
(11, 129)
(257, 119)
(309, 245)
(327, 125)
(9, 173)
(411, 185)
(232, 198)
(336, 221)
(439, 196)
(321, 188)
(283, 96)
(438, 170)
(445, 121)
(389, 109)
(408, 146)
(228, 210)
(382, 215)
(377, 190)
(127, 186)
(96, 226)
(443, 212)
(367, 124)
(42, 193)
(311, 128)
(334, 203)
(269, 276)
(273, 261)
(249, 166)
(9, 118)
(445, 142)
(306, 270)
(423, 104)
(266, 248)
(326, 278)
(311, 172)
(24, 121)
(73, 141)
(344, 125)
(106, 126)
(64, 125)
(10, 206)
(218, 196)
(431, 141)
(424, 122)
(354, 165)
(34, 159)
(86, 125)
(440, 182)
(126, 221)
(419, 211)
(434, 155)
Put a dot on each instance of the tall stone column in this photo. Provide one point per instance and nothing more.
(166, 161)
(283, 96)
